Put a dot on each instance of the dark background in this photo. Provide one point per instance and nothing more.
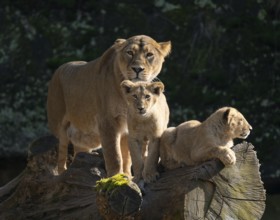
(224, 53)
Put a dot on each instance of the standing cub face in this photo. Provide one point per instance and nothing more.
(140, 96)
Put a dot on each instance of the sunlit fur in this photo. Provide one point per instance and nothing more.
(86, 107)
(148, 116)
(193, 142)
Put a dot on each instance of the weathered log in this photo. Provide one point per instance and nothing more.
(208, 191)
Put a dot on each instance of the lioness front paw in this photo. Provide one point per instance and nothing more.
(229, 158)
(150, 176)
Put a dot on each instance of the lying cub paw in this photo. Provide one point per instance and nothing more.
(150, 176)
(228, 158)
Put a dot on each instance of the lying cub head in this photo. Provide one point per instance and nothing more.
(141, 96)
(236, 122)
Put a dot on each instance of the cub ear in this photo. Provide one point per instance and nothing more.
(226, 115)
(165, 48)
(126, 86)
(157, 88)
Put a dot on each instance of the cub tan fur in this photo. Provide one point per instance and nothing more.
(193, 142)
(148, 116)
(85, 104)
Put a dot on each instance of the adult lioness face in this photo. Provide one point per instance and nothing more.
(141, 57)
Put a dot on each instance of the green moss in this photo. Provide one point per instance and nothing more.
(108, 184)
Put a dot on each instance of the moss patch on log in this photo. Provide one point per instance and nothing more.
(109, 184)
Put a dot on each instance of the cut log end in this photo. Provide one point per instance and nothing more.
(118, 197)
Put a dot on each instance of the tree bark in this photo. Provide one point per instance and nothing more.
(208, 191)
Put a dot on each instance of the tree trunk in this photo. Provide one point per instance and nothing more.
(208, 191)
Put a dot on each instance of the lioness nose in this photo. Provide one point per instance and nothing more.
(141, 108)
(137, 69)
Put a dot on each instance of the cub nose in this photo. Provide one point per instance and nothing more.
(140, 108)
(137, 69)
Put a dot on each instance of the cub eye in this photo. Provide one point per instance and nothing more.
(149, 55)
(147, 97)
(129, 53)
(134, 96)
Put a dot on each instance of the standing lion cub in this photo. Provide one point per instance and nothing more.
(147, 118)
(193, 142)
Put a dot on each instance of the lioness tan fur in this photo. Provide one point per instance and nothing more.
(85, 104)
(193, 142)
(148, 116)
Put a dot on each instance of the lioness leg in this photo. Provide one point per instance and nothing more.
(110, 140)
(126, 155)
(62, 157)
(62, 151)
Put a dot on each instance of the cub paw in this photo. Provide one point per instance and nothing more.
(150, 176)
(228, 158)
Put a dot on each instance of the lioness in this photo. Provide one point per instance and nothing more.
(193, 142)
(148, 116)
(85, 104)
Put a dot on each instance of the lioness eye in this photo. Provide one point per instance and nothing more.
(129, 52)
(149, 55)
(147, 96)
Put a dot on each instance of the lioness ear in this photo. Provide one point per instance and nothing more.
(120, 41)
(126, 86)
(157, 88)
(165, 48)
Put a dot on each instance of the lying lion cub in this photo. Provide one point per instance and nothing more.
(148, 116)
(193, 142)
